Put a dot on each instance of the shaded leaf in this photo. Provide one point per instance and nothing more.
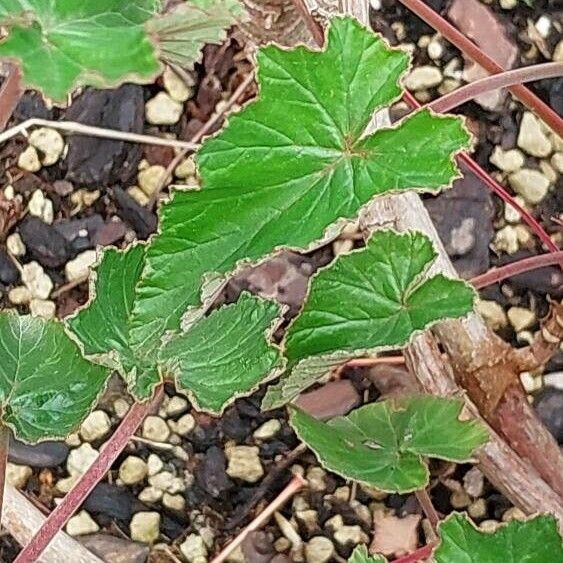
(46, 387)
(534, 541)
(103, 327)
(361, 555)
(182, 32)
(226, 354)
(290, 165)
(382, 444)
(63, 44)
(371, 299)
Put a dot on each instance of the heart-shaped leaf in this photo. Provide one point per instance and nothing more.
(46, 386)
(290, 165)
(383, 444)
(226, 354)
(371, 299)
(534, 541)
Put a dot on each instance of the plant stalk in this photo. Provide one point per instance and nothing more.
(94, 474)
(466, 46)
(10, 94)
(4, 447)
(425, 503)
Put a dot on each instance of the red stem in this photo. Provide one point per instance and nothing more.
(420, 554)
(454, 36)
(10, 94)
(496, 275)
(495, 82)
(84, 486)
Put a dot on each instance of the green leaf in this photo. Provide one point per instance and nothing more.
(64, 44)
(382, 444)
(371, 299)
(46, 387)
(182, 32)
(225, 355)
(534, 541)
(361, 555)
(290, 165)
(103, 327)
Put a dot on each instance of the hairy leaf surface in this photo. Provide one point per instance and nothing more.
(103, 327)
(63, 44)
(225, 354)
(382, 444)
(534, 541)
(46, 386)
(371, 299)
(290, 165)
(361, 555)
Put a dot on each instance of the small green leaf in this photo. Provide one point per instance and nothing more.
(182, 32)
(103, 327)
(361, 555)
(382, 444)
(225, 355)
(533, 541)
(46, 386)
(371, 299)
(292, 164)
(63, 44)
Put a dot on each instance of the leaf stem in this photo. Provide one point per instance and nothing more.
(420, 554)
(10, 94)
(312, 24)
(84, 486)
(90, 130)
(4, 447)
(495, 82)
(464, 44)
(495, 275)
(425, 503)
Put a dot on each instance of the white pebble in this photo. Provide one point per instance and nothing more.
(138, 195)
(155, 429)
(185, 424)
(154, 464)
(15, 245)
(531, 137)
(49, 143)
(145, 527)
(150, 178)
(244, 463)
(41, 206)
(42, 308)
(19, 295)
(18, 475)
(175, 86)
(543, 25)
(531, 184)
(268, 430)
(150, 494)
(28, 160)
(133, 470)
(194, 549)
(423, 77)
(507, 161)
(80, 459)
(36, 280)
(176, 405)
(96, 425)
(163, 110)
(521, 318)
(174, 502)
(79, 268)
(81, 524)
(185, 169)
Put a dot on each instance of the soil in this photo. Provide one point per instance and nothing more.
(92, 205)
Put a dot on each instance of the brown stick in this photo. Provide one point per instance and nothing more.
(4, 447)
(10, 94)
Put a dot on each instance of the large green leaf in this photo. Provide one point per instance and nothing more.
(290, 165)
(371, 299)
(382, 444)
(361, 555)
(182, 32)
(225, 355)
(534, 541)
(63, 44)
(103, 327)
(46, 386)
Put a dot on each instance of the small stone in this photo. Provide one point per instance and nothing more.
(530, 383)
(96, 425)
(478, 509)
(532, 138)
(150, 495)
(506, 240)
(423, 77)
(138, 195)
(350, 536)
(556, 162)
(79, 268)
(543, 25)
(41, 206)
(508, 4)
(176, 405)
(558, 53)
(507, 161)
(28, 160)
(510, 214)
(319, 550)
(175, 86)
(460, 499)
(151, 178)
(282, 544)
(186, 169)
(120, 407)
(244, 463)
(163, 110)
(521, 318)
(15, 245)
(309, 519)
(42, 308)
(36, 280)
(492, 313)
(81, 524)
(193, 548)
(514, 514)
(166, 481)
(49, 143)
(18, 475)
(19, 295)
(145, 527)
(316, 476)
(73, 440)
(155, 429)
(435, 49)
(174, 502)
(154, 465)
(185, 424)
(268, 430)
(489, 526)
(65, 485)
(80, 459)
(474, 482)
(548, 171)
(133, 470)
